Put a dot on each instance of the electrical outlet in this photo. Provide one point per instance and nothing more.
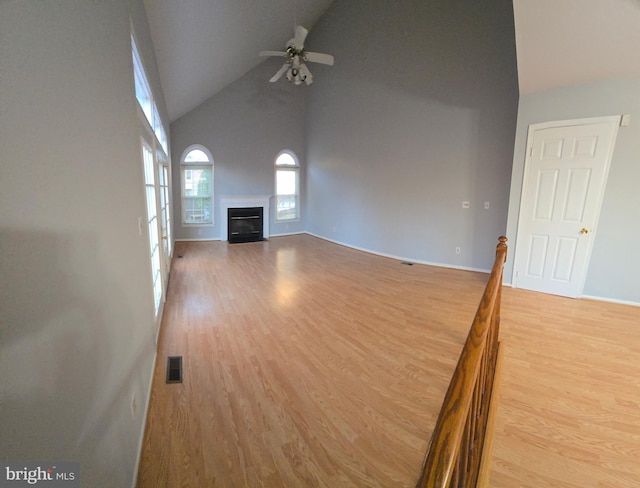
(486, 205)
(134, 406)
(465, 204)
(457, 250)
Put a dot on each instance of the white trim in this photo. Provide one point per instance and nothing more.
(402, 258)
(144, 422)
(285, 234)
(295, 169)
(185, 166)
(244, 202)
(293, 156)
(611, 300)
(206, 239)
(611, 119)
(588, 297)
(190, 148)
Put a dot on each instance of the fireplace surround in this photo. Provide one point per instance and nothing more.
(238, 202)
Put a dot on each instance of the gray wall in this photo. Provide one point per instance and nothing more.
(615, 260)
(417, 115)
(244, 127)
(76, 303)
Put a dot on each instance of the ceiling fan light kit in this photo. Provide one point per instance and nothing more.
(295, 66)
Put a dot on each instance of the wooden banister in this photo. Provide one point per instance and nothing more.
(455, 450)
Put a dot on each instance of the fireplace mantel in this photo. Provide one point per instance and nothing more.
(245, 202)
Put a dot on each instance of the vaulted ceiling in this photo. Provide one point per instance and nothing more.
(202, 46)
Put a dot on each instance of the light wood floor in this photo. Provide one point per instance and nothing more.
(569, 413)
(310, 364)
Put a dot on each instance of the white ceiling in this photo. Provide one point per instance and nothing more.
(203, 45)
(563, 42)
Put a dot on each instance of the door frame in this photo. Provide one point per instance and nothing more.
(614, 120)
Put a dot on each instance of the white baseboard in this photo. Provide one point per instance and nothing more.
(144, 420)
(611, 300)
(401, 258)
(288, 234)
(592, 297)
(206, 239)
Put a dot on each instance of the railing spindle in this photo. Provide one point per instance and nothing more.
(456, 445)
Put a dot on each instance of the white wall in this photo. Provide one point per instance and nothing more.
(417, 115)
(76, 304)
(244, 126)
(615, 261)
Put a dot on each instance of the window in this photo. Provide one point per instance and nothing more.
(287, 187)
(143, 90)
(152, 221)
(197, 186)
(145, 97)
(158, 129)
(156, 178)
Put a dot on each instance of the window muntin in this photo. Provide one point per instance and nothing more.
(287, 187)
(197, 187)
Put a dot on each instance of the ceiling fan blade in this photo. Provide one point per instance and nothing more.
(320, 58)
(273, 53)
(280, 72)
(300, 36)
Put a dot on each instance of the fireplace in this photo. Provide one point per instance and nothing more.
(249, 201)
(244, 224)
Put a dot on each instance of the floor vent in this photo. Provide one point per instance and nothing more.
(174, 369)
(180, 256)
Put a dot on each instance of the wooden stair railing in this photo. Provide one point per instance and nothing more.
(457, 447)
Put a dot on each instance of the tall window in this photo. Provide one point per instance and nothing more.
(197, 186)
(152, 221)
(287, 187)
(156, 177)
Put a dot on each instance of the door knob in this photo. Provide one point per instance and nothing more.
(584, 230)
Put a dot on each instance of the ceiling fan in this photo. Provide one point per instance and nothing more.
(295, 66)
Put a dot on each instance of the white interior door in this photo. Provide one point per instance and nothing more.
(565, 174)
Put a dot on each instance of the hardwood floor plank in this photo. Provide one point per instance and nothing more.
(569, 411)
(310, 364)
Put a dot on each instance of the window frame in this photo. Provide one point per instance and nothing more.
(154, 157)
(190, 166)
(293, 168)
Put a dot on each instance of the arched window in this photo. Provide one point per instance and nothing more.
(287, 186)
(197, 186)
